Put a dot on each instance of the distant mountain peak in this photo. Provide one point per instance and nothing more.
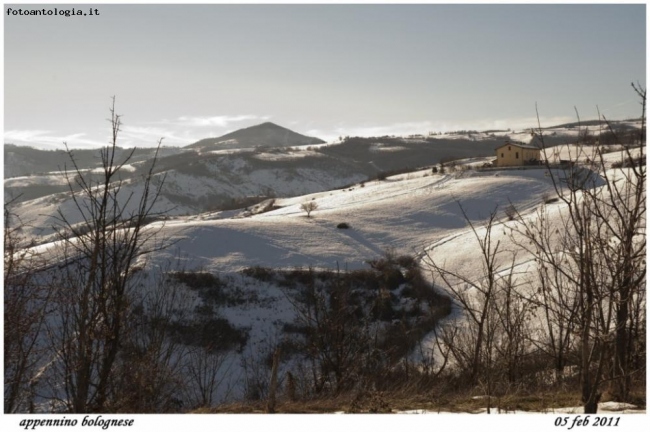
(265, 125)
(268, 124)
(267, 134)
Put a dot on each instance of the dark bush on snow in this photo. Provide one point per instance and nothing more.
(197, 280)
(213, 333)
(629, 163)
(263, 274)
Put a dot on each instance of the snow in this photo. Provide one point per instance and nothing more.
(582, 154)
(126, 167)
(41, 215)
(52, 179)
(603, 408)
(287, 155)
(379, 147)
(405, 213)
(183, 192)
(224, 152)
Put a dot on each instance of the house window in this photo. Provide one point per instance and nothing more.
(516, 155)
(501, 154)
(508, 148)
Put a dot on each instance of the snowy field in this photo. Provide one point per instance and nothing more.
(405, 213)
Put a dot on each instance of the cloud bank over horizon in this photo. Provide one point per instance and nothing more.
(190, 130)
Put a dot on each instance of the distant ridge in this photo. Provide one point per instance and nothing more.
(266, 134)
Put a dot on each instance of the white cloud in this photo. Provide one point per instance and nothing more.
(148, 136)
(405, 128)
(141, 135)
(512, 123)
(220, 121)
(23, 135)
(186, 130)
(130, 136)
(48, 140)
(183, 130)
(424, 127)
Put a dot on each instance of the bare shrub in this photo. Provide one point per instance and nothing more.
(26, 300)
(510, 211)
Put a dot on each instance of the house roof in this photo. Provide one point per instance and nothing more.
(524, 146)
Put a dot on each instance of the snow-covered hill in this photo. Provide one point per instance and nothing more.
(23, 161)
(404, 213)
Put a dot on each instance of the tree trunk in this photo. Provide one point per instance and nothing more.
(270, 406)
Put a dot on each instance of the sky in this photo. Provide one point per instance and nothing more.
(187, 72)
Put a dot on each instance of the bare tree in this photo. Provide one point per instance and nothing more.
(206, 373)
(26, 300)
(98, 273)
(149, 375)
(622, 208)
(551, 286)
(475, 296)
(491, 345)
(513, 312)
(308, 207)
(337, 342)
(599, 253)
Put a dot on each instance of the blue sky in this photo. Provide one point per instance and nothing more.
(190, 72)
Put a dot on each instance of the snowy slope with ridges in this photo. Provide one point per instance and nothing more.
(406, 215)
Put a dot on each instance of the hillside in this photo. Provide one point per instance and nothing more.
(263, 135)
(196, 181)
(404, 213)
(23, 161)
(201, 179)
